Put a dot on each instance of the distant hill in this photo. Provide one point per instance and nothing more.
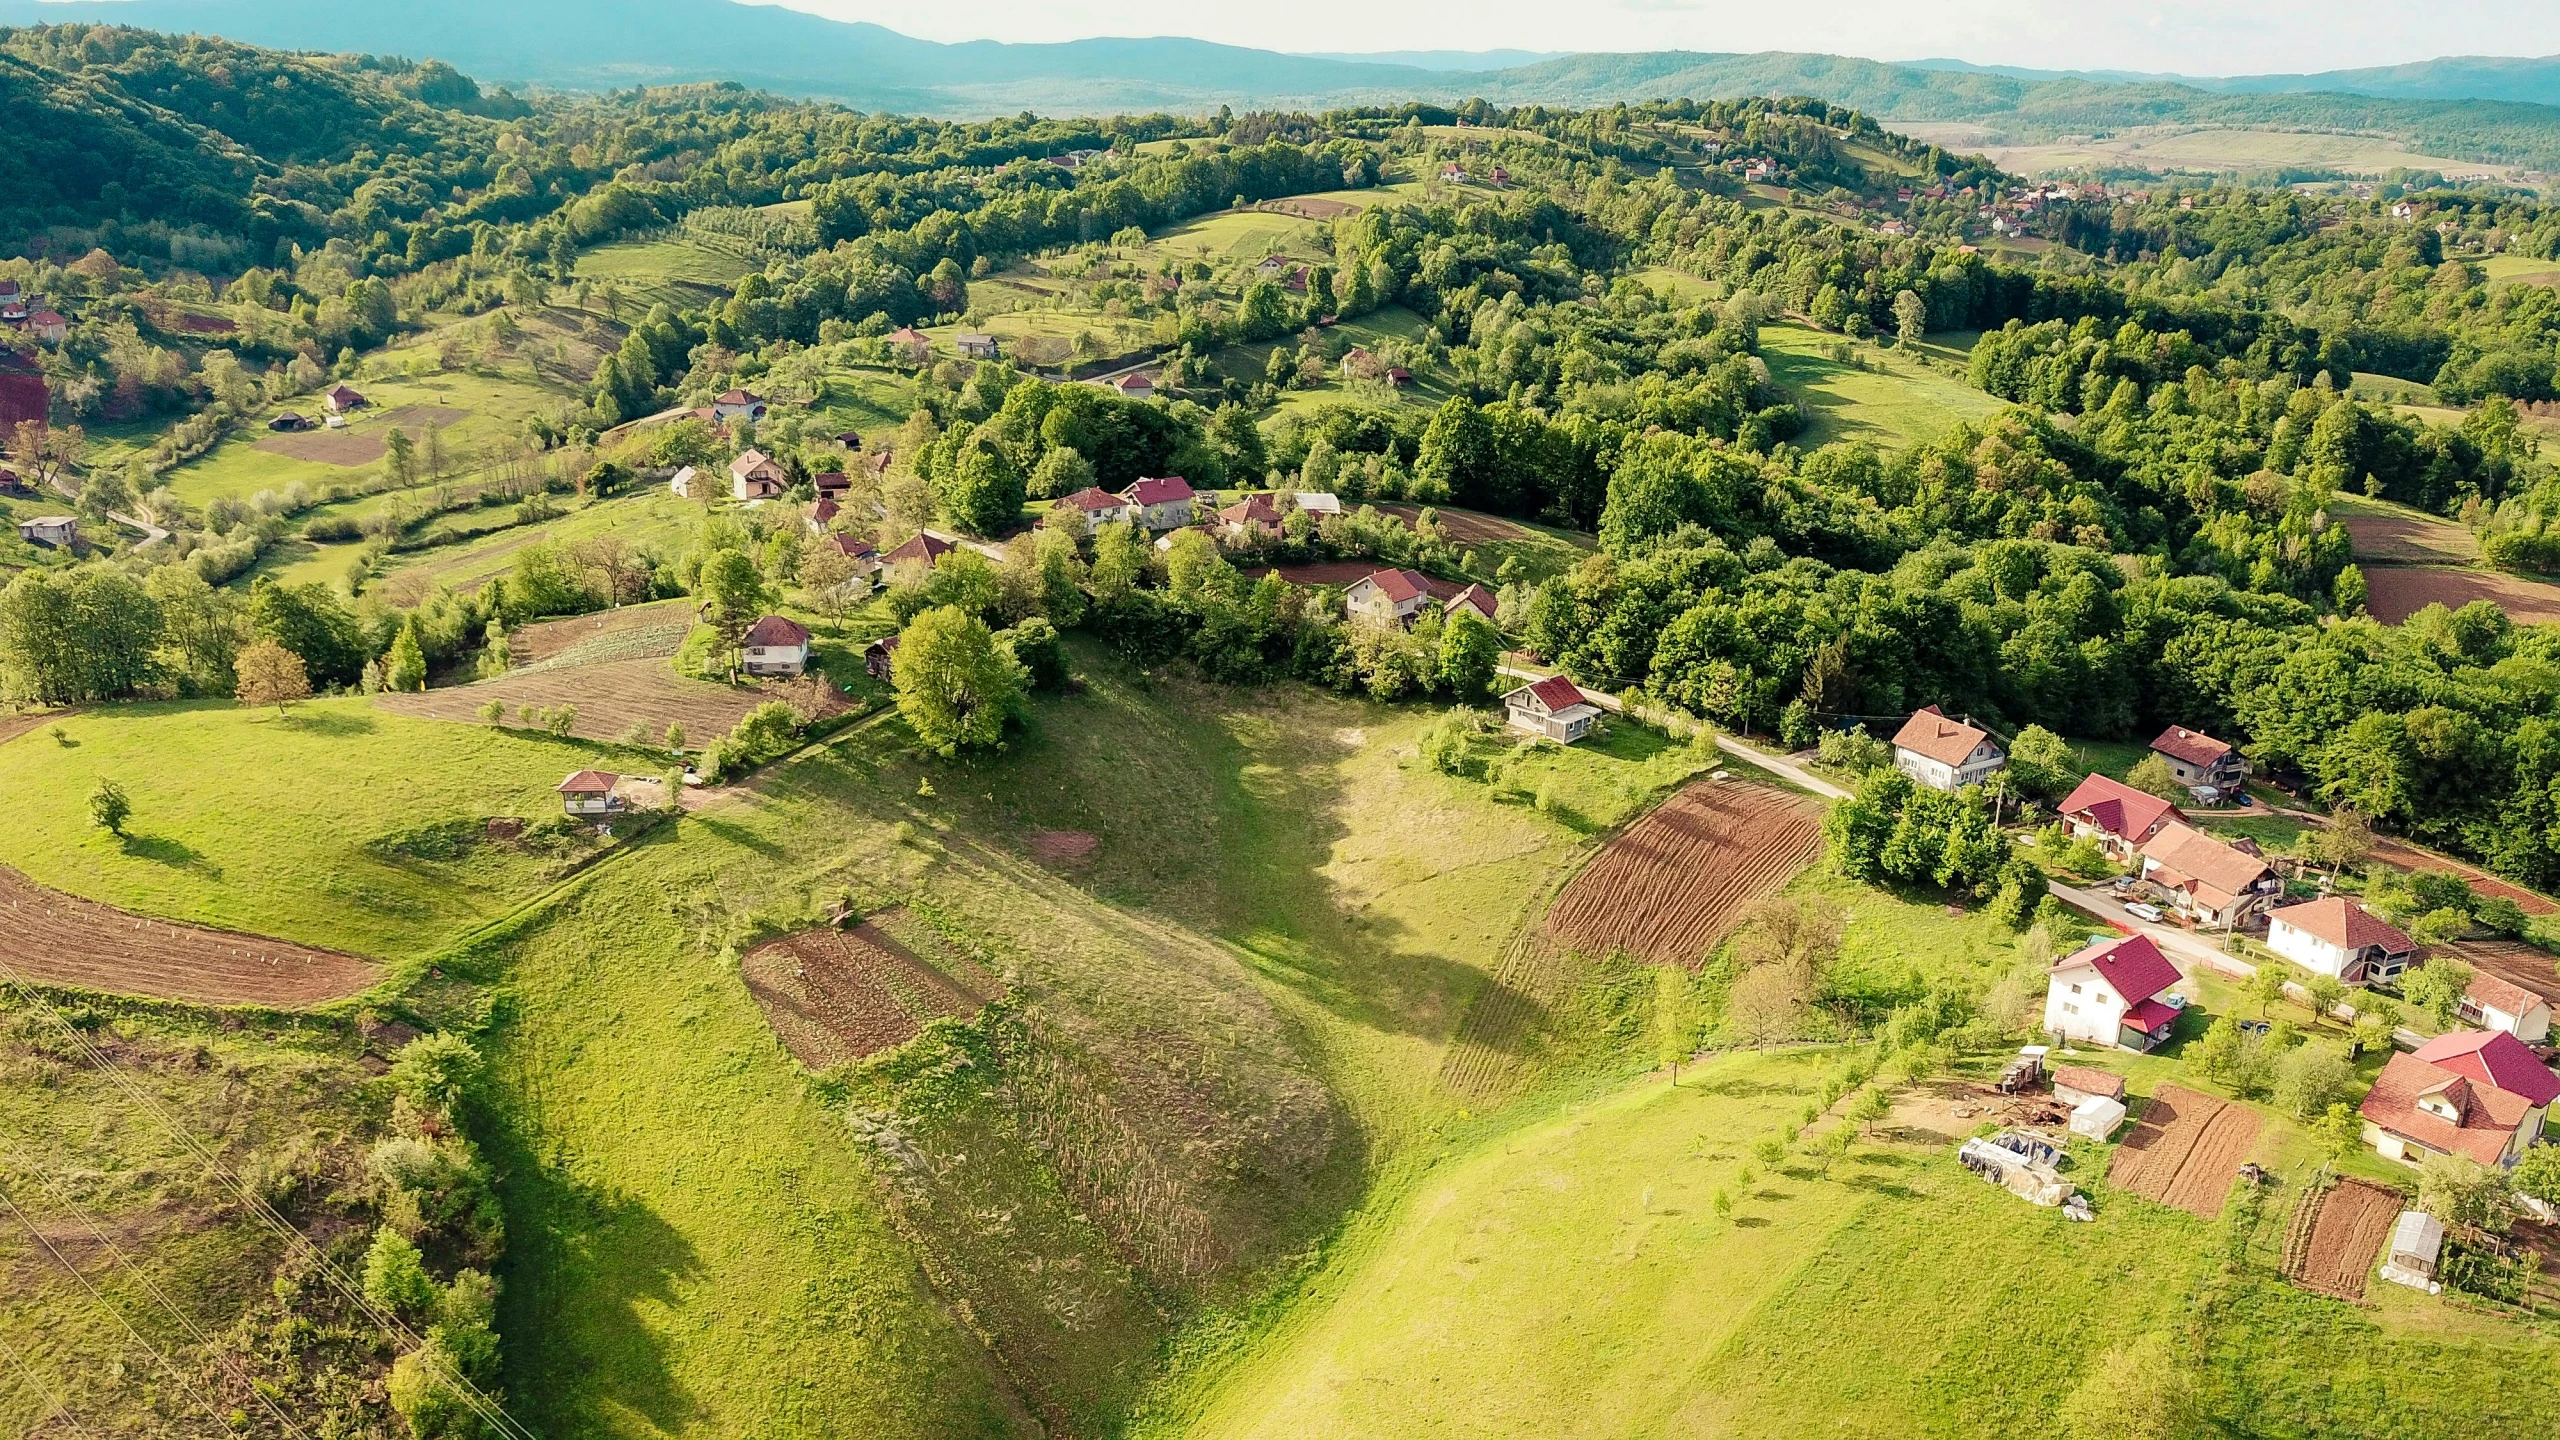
(1458, 60)
(2466, 107)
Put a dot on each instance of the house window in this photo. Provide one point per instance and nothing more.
(2068, 1008)
(2075, 989)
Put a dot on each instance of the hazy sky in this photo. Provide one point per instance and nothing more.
(2197, 37)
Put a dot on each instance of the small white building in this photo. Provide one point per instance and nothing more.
(589, 795)
(2416, 1241)
(2338, 938)
(55, 530)
(775, 645)
(1389, 597)
(756, 476)
(687, 483)
(2109, 993)
(1945, 754)
(738, 405)
(1552, 709)
(2494, 1003)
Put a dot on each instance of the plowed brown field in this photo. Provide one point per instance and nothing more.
(2186, 1150)
(2395, 592)
(2513, 961)
(1670, 886)
(837, 995)
(2354, 1219)
(55, 939)
(628, 628)
(610, 696)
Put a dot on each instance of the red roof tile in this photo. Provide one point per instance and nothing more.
(2494, 1058)
(2489, 1115)
(2131, 965)
(2118, 808)
(1093, 498)
(1401, 585)
(1159, 492)
(1476, 598)
(1558, 694)
(2345, 924)
(2498, 993)
(1932, 734)
(2148, 1015)
(2192, 746)
(590, 782)
(2195, 860)
(776, 630)
(927, 548)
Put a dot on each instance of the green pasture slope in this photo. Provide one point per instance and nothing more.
(1901, 403)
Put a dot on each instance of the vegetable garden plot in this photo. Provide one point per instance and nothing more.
(51, 938)
(2338, 1237)
(1669, 887)
(2186, 1150)
(834, 996)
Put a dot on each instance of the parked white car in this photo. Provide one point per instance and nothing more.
(2140, 911)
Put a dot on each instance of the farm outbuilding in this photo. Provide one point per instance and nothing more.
(2096, 1117)
(589, 794)
(2416, 1241)
(2073, 1084)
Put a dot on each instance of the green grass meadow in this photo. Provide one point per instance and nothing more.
(1900, 403)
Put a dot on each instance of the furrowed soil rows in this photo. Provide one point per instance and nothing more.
(2204, 1182)
(1466, 527)
(611, 697)
(55, 939)
(2186, 1151)
(1669, 887)
(838, 995)
(2395, 592)
(627, 628)
(2353, 1220)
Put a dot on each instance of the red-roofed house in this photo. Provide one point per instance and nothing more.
(343, 398)
(2339, 938)
(2210, 882)
(1100, 506)
(49, 327)
(1254, 514)
(1136, 385)
(738, 405)
(1553, 709)
(924, 549)
(2199, 761)
(2110, 992)
(1945, 754)
(1476, 598)
(2478, 1093)
(866, 560)
(775, 645)
(2120, 818)
(2493, 1003)
(1389, 597)
(823, 514)
(589, 794)
(1162, 504)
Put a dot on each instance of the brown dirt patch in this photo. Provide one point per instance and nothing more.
(1064, 847)
(1670, 885)
(2343, 1238)
(548, 639)
(1466, 527)
(2394, 593)
(26, 721)
(834, 996)
(2514, 962)
(2186, 1150)
(2409, 540)
(612, 696)
(345, 448)
(55, 939)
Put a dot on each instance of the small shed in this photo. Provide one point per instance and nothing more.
(589, 794)
(2415, 1243)
(2095, 1117)
(58, 531)
(880, 658)
(2075, 1083)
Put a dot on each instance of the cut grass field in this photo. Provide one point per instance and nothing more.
(288, 827)
(1573, 1278)
(1898, 403)
(674, 271)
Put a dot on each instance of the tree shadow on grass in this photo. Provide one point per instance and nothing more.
(1749, 1222)
(731, 832)
(582, 1261)
(176, 854)
(332, 723)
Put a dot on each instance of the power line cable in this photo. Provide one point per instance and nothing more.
(185, 1381)
(60, 1403)
(471, 1395)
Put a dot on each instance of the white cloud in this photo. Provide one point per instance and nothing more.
(2199, 37)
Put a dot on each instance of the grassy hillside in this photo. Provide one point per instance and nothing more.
(1884, 397)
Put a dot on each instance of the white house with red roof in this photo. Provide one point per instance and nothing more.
(925, 548)
(1099, 506)
(1164, 504)
(1254, 514)
(1136, 385)
(2120, 818)
(1484, 602)
(2110, 992)
(2476, 1093)
(589, 795)
(756, 476)
(1945, 754)
(2341, 939)
(738, 405)
(2210, 882)
(342, 398)
(2493, 1002)
(775, 645)
(1389, 597)
(1552, 709)
(2201, 762)
(865, 558)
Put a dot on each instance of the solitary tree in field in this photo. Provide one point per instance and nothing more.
(405, 667)
(109, 809)
(271, 675)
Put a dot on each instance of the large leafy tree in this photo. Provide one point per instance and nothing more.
(956, 685)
